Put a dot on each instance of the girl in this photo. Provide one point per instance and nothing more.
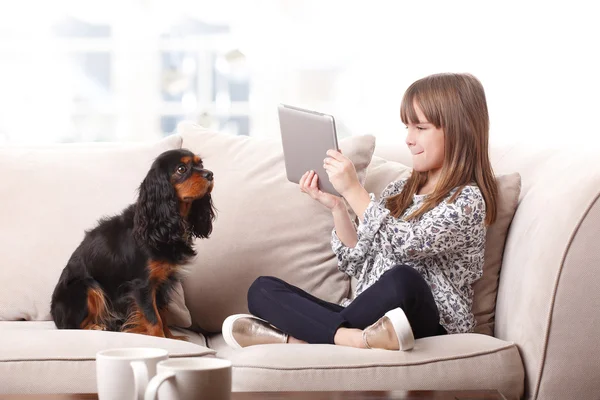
(416, 252)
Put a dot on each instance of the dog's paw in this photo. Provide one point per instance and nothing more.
(179, 337)
(96, 327)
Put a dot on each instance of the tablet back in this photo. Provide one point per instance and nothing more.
(306, 136)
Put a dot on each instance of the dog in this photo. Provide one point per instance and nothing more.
(121, 276)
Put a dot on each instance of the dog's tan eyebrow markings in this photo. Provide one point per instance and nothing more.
(197, 160)
(186, 159)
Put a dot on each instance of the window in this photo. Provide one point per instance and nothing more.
(83, 77)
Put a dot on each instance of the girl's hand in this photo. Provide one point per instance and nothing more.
(308, 185)
(341, 172)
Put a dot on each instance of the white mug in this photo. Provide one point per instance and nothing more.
(191, 378)
(123, 374)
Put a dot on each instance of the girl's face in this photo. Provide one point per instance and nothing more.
(426, 143)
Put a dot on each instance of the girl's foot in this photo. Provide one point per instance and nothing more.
(242, 330)
(350, 337)
(390, 332)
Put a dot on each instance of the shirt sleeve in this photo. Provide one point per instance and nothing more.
(446, 228)
(351, 260)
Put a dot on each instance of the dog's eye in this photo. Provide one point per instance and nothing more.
(181, 169)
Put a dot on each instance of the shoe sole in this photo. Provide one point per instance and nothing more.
(227, 329)
(406, 338)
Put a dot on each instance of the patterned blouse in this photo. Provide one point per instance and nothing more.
(445, 245)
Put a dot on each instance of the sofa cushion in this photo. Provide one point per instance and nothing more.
(50, 195)
(486, 288)
(264, 226)
(450, 362)
(381, 172)
(35, 357)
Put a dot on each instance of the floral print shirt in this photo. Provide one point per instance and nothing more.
(445, 245)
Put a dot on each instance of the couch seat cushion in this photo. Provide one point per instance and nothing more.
(462, 361)
(35, 357)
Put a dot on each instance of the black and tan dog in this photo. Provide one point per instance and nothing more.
(122, 274)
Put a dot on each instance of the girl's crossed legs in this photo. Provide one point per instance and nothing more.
(312, 320)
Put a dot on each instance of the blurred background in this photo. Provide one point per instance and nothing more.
(130, 70)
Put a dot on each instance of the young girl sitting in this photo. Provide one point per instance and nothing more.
(416, 252)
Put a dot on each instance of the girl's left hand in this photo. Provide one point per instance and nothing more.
(341, 171)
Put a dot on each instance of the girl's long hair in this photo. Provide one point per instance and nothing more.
(456, 104)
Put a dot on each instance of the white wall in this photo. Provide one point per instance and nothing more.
(537, 60)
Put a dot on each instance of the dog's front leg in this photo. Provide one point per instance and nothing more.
(144, 317)
(166, 330)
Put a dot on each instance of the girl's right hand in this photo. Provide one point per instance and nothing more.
(309, 185)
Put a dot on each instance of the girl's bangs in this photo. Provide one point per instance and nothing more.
(408, 115)
(428, 96)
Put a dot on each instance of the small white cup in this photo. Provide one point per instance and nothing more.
(123, 374)
(191, 378)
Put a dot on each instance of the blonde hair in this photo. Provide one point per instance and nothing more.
(456, 104)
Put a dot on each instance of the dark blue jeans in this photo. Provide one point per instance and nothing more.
(313, 320)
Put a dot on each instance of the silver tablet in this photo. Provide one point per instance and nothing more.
(306, 136)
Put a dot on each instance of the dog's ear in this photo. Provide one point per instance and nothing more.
(157, 220)
(201, 216)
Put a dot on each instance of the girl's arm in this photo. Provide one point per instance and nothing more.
(359, 200)
(344, 228)
(352, 248)
(351, 258)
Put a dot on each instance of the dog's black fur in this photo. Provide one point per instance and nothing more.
(122, 274)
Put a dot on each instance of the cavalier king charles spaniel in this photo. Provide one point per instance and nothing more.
(121, 276)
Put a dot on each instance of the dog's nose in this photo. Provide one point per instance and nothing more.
(208, 175)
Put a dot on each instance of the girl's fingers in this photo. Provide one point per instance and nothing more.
(334, 166)
(303, 179)
(313, 183)
(338, 161)
(335, 155)
(332, 161)
(306, 181)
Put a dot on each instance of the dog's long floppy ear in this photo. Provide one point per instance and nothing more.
(157, 220)
(201, 216)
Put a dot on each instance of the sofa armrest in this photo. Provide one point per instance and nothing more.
(548, 294)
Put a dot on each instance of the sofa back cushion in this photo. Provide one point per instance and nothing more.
(382, 171)
(264, 226)
(50, 196)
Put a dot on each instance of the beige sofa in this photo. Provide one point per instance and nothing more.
(545, 342)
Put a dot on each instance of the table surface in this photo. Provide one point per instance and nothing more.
(339, 395)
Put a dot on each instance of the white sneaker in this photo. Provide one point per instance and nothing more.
(243, 330)
(390, 332)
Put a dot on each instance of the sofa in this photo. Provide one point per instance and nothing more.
(537, 333)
